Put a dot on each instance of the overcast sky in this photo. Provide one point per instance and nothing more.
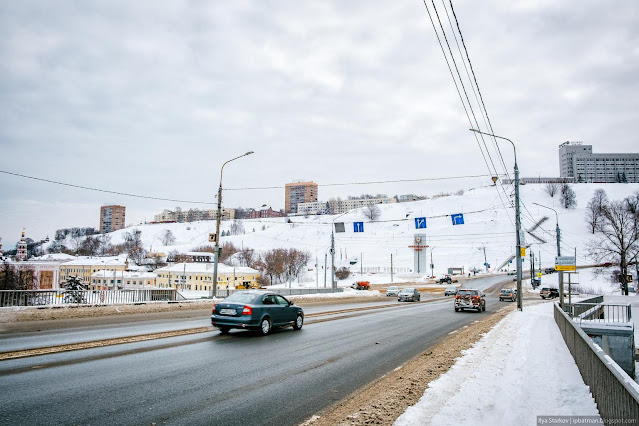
(152, 97)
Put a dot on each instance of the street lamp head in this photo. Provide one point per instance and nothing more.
(249, 153)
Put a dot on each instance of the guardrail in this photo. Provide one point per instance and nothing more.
(612, 388)
(286, 291)
(600, 312)
(92, 297)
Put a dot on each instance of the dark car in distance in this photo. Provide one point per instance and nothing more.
(409, 295)
(549, 293)
(256, 310)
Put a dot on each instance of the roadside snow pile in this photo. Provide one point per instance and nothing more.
(521, 369)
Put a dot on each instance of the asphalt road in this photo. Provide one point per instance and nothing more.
(239, 379)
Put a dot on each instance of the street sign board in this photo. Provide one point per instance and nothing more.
(458, 219)
(211, 237)
(420, 222)
(565, 263)
(358, 226)
(539, 274)
(523, 252)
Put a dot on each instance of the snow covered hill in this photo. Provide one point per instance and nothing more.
(488, 222)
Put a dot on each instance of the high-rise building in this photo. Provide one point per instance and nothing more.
(298, 192)
(577, 161)
(112, 218)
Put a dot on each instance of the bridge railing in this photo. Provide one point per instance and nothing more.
(91, 297)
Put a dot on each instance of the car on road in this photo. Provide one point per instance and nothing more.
(256, 310)
(392, 291)
(512, 272)
(507, 294)
(549, 293)
(446, 279)
(409, 295)
(468, 298)
(450, 290)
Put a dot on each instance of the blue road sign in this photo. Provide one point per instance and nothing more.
(358, 226)
(420, 222)
(458, 219)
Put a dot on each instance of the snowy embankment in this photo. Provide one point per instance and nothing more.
(519, 370)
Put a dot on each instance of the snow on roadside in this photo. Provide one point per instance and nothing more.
(519, 370)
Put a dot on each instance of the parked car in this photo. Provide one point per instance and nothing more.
(409, 295)
(507, 294)
(549, 293)
(256, 310)
(450, 290)
(512, 272)
(392, 291)
(470, 299)
(549, 270)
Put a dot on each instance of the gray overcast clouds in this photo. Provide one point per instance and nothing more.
(151, 98)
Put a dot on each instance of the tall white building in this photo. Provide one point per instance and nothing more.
(577, 161)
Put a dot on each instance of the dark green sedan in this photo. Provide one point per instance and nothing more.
(256, 310)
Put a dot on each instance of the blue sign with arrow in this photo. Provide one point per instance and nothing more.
(458, 219)
(358, 226)
(420, 222)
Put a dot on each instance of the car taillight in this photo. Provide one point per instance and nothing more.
(475, 297)
(457, 296)
(213, 311)
(247, 310)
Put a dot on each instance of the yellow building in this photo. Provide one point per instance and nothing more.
(199, 276)
(121, 280)
(87, 266)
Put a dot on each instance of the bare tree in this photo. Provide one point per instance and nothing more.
(593, 208)
(237, 227)
(247, 257)
(167, 238)
(620, 242)
(551, 188)
(568, 196)
(372, 212)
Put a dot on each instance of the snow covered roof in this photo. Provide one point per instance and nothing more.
(94, 261)
(124, 274)
(196, 267)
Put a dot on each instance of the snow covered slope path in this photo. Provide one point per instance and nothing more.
(521, 369)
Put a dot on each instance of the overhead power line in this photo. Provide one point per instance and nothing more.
(88, 188)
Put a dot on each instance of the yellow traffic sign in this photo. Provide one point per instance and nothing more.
(565, 268)
(523, 252)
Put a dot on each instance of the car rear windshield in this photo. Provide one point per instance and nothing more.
(240, 298)
(506, 291)
(467, 292)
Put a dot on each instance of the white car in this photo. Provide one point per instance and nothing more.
(392, 291)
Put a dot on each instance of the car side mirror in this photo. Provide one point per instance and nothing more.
(291, 303)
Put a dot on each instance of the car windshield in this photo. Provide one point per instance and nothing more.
(450, 288)
(240, 298)
(393, 288)
(506, 291)
(467, 292)
(408, 290)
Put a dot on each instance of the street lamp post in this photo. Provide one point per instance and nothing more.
(485, 261)
(560, 276)
(517, 219)
(217, 225)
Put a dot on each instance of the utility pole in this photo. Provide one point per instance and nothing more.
(361, 264)
(325, 269)
(391, 267)
(432, 265)
(333, 285)
(532, 267)
(517, 220)
(560, 277)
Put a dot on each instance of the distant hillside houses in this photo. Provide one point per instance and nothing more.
(192, 215)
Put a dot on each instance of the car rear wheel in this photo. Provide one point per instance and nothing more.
(224, 330)
(265, 326)
(299, 322)
(456, 309)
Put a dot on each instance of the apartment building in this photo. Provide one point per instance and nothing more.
(192, 215)
(122, 280)
(298, 192)
(112, 218)
(199, 276)
(577, 161)
(340, 206)
(86, 266)
(265, 212)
